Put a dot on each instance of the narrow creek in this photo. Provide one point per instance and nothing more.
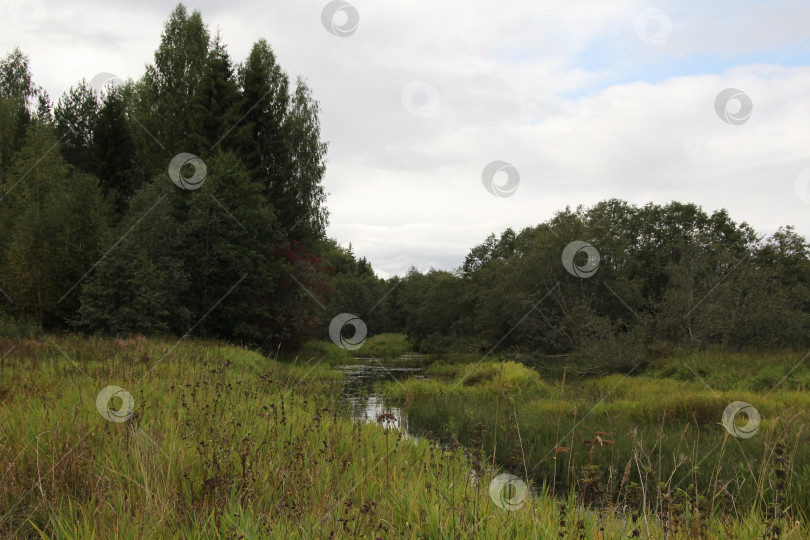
(363, 401)
(361, 394)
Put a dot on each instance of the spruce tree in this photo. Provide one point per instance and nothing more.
(264, 105)
(214, 113)
(76, 114)
(114, 150)
(51, 225)
(140, 286)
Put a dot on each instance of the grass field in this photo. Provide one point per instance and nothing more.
(222, 442)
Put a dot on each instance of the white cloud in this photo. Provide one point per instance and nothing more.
(564, 91)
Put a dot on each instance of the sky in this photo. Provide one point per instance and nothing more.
(448, 121)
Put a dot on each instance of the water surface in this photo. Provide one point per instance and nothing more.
(362, 382)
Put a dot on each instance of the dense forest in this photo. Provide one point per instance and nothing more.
(192, 201)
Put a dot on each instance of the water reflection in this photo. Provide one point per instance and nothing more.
(361, 390)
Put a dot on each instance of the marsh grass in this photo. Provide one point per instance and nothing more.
(648, 444)
(227, 443)
(320, 352)
(381, 346)
(386, 346)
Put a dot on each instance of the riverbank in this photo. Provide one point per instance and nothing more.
(222, 442)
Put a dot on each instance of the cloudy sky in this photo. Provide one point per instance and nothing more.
(580, 100)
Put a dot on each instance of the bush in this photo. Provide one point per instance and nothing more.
(18, 328)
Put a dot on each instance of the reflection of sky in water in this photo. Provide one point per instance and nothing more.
(361, 398)
(370, 408)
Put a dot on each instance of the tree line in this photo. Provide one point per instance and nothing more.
(614, 283)
(191, 200)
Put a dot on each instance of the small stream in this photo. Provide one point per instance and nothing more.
(361, 396)
(362, 399)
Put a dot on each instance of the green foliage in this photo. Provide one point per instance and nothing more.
(16, 92)
(264, 104)
(174, 79)
(281, 145)
(114, 150)
(200, 260)
(353, 288)
(76, 115)
(214, 106)
(138, 286)
(669, 275)
(225, 260)
(52, 222)
(300, 195)
(12, 328)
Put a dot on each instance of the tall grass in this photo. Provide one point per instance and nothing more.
(640, 444)
(226, 443)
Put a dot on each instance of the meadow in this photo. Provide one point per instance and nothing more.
(223, 442)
